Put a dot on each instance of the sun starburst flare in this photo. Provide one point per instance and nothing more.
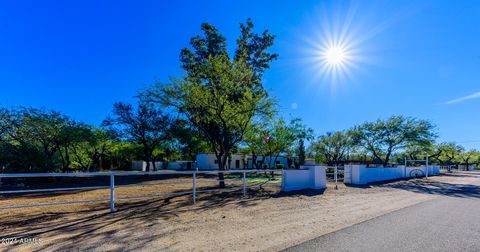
(336, 49)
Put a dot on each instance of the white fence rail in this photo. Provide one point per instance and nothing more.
(112, 185)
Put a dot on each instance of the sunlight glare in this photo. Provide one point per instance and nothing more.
(335, 55)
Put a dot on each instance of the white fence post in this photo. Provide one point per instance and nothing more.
(336, 176)
(244, 184)
(112, 193)
(194, 190)
(426, 168)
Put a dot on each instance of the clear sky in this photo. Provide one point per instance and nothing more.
(416, 58)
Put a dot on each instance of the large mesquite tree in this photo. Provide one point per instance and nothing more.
(219, 95)
(383, 138)
(145, 125)
(333, 147)
(447, 153)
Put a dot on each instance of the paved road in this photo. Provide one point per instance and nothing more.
(448, 223)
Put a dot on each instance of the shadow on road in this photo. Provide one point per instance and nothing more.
(439, 188)
(432, 187)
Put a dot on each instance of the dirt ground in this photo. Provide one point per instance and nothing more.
(266, 220)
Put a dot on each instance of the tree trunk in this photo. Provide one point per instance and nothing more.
(100, 162)
(387, 158)
(153, 164)
(67, 158)
(147, 159)
(222, 160)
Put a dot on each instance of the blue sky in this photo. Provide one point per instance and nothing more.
(416, 58)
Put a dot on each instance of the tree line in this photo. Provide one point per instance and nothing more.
(42, 140)
(218, 105)
(390, 141)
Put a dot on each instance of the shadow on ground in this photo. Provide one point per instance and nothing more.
(97, 226)
(433, 187)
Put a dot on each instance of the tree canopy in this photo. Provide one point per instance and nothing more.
(220, 96)
(333, 147)
(383, 138)
(145, 125)
(275, 137)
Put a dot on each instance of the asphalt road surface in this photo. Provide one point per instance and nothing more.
(450, 222)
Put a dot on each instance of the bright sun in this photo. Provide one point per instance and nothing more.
(335, 55)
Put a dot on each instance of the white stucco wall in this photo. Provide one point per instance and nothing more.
(139, 165)
(308, 177)
(206, 161)
(361, 174)
(181, 165)
(464, 167)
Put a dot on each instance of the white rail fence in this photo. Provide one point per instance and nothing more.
(194, 191)
(335, 174)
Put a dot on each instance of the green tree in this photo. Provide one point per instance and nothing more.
(5, 123)
(31, 142)
(447, 153)
(122, 153)
(220, 96)
(36, 134)
(73, 137)
(254, 141)
(145, 125)
(418, 151)
(92, 149)
(278, 139)
(188, 140)
(383, 138)
(333, 147)
(5, 127)
(469, 158)
(301, 134)
(301, 152)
